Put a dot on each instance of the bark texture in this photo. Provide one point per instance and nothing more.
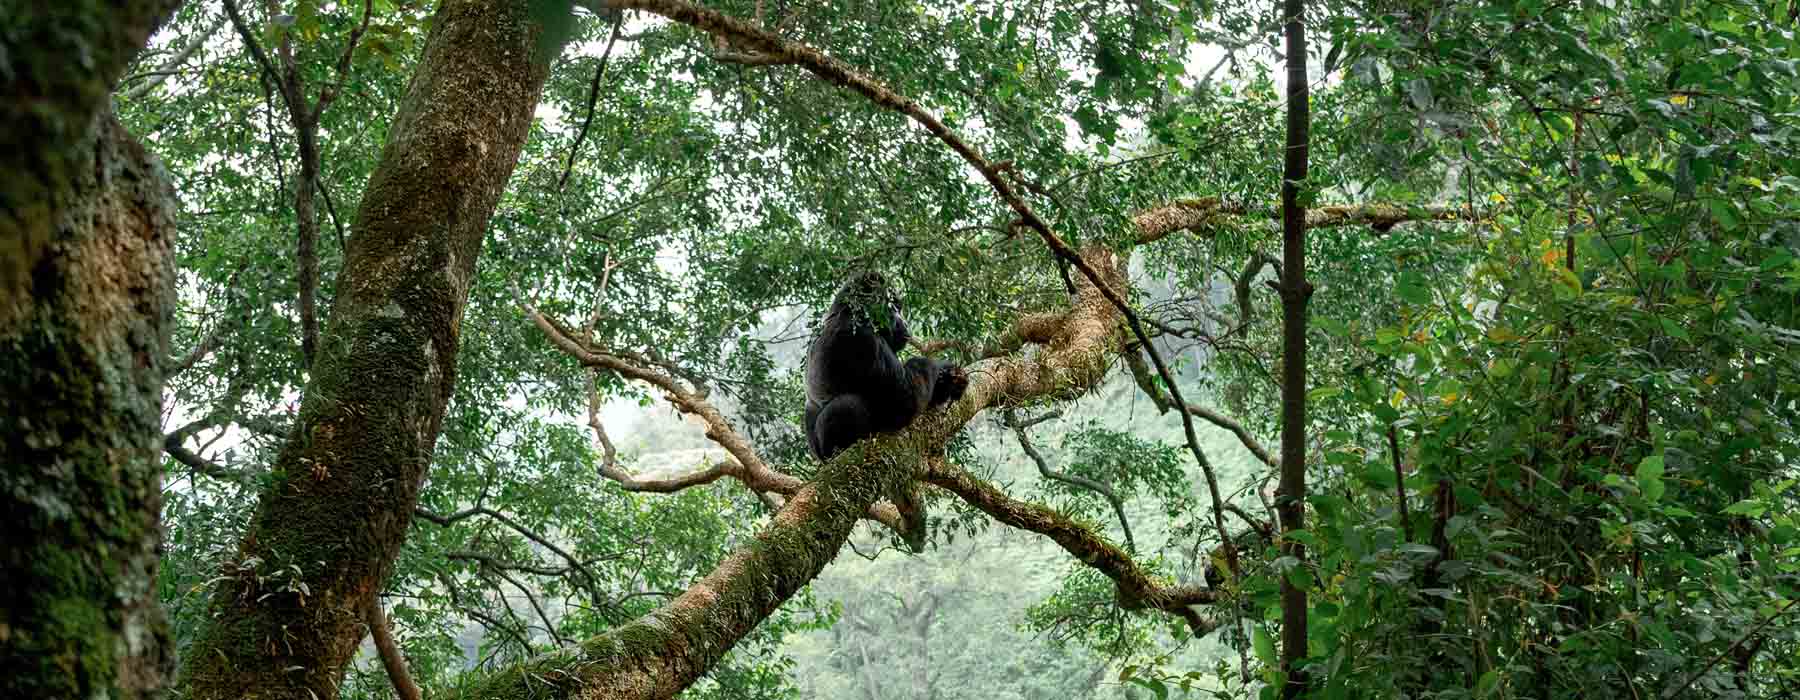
(287, 616)
(86, 221)
(48, 102)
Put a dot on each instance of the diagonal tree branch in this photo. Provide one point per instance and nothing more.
(1136, 589)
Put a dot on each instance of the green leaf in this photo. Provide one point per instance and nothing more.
(1378, 476)
(1649, 478)
(1487, 684)
(1724, 213)
(1412, 289)
(1673, 329)
(1265, 646)
(1153, 685)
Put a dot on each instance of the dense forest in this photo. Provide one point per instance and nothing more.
(617, 349)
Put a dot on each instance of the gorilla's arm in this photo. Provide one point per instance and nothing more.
(935, 382)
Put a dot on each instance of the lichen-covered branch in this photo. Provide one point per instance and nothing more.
(87, 292)
(1201, 213)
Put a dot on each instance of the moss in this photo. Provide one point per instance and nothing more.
(80, 397)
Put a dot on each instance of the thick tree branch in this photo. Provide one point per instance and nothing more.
(1199, 214)
(87, 289)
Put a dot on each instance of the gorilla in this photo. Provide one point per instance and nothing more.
(856, 385)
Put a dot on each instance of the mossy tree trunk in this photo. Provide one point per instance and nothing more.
(287, 616)
(86, 218)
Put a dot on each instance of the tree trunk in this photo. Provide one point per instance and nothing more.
(86, 220)
(306, 254)
(1296, 292)
(286, 617)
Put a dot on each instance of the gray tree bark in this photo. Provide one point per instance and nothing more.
(86, 221)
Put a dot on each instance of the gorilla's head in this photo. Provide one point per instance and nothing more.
(868, 294)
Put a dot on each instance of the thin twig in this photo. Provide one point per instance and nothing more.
(1734, 645)
(592, 98)
(1012, 421)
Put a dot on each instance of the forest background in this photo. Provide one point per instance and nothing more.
(475, 330)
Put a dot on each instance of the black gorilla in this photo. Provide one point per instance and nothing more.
(856, 386)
